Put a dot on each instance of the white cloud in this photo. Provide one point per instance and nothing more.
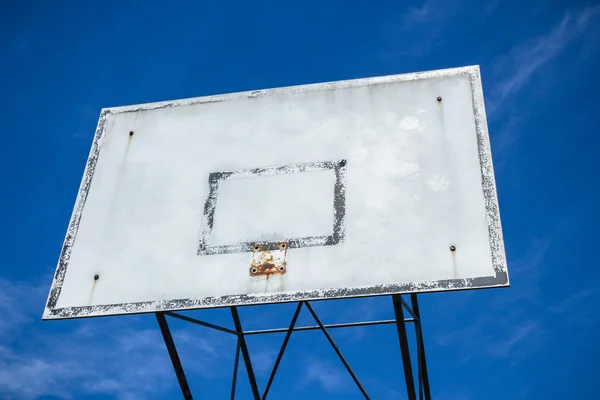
(121, 357)
(417, 30)
(515, 69)
(19, 302)
(521, 339)
(571, 302)
(263, 361)
(327, 376)
(417, 15)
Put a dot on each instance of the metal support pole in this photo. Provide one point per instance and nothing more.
(164, 328)
(328, 326)
(337, 350)
(235, 369)
(403, 338)
(421, 348)
(283, 346)
(198, 322)
(245, 353)
(400, 321)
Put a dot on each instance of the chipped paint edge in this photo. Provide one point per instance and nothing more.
(500, 279)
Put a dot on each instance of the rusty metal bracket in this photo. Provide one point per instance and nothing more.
(267, 262)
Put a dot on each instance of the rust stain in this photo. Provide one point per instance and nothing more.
(269, 262)
(93, 289)
(129, 142)
(453, 253)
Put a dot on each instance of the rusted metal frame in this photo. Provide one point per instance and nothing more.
(245, 353)
(328, 326)
(421, 348)
(235, 369)
(166, 333)
(404, 350)
(198, 322)
(337, 350)
(282, 350)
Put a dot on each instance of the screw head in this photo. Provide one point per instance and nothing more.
(281, 268)
(130, 133)
(254, 270)
(452, 248)
(96, 277)
(439, 98)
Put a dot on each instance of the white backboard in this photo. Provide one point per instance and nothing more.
(343, 189)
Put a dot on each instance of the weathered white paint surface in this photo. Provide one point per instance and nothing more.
(416, 178)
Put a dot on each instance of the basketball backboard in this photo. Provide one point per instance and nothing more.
(343, 189)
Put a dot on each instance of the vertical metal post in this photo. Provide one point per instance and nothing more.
(164, 328)
(403, 338)
(245, 353)
(235, 369)
(415, 307)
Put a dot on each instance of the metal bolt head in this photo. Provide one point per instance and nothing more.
(130, 133)
(96, 277)
(439, 98)
(452, 248)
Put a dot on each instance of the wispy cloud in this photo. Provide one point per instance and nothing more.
(570, 302)
(418, 15)
(516, 68)
(329, 377)
(513, 71)
(491, 6)
(263, 361)
(417, 30)
(18, 303)
(494, 338)
(353, 310)
(125, 359)
(581, 308)
(528, 331)
(508, 330)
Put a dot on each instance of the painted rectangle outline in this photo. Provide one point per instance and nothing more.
(499, 279)
(339, 208)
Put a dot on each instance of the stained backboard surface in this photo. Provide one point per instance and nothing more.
(352, 188)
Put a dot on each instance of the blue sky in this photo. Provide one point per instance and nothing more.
(62, 61)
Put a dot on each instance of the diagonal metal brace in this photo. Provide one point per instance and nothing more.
(282, 350)
(245, 353)
(337, 350)
(164, 328)
(198, 322)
